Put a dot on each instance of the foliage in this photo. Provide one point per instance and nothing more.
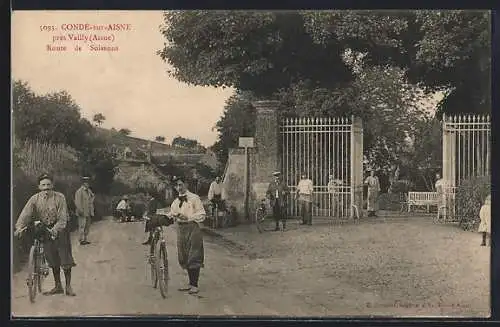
(263, 52)
(160, 138)
(446, 50)
(470, 195)
(53, 118)
(248, 50)
(238, 119)
(183, 142)
(98, 162)
(124, 131)
(145, 179)
(99, 118)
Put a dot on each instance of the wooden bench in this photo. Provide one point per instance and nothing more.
(427, 199)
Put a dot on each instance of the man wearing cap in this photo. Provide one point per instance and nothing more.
(304, 194)
(84, 203)
(49, 207)
(188, 211)
(277, 193)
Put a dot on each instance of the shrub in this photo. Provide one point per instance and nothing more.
(470, 195)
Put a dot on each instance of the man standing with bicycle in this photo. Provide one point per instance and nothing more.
(277, 193)
(216, 195)
(188, 211)
(84, 203)
(49, 207)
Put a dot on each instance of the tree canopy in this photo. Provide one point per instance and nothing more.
(263, 52)
(55, 118)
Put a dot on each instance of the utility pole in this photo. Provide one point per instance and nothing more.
(246, 142)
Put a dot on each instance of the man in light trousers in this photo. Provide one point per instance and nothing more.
(84, 203)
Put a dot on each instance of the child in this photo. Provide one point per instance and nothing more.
(485, 225)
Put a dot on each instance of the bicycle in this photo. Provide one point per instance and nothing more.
(158, 261)
(38, 268)
(260, 221)
(217, 214)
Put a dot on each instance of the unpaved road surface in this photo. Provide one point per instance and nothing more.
(406, 267)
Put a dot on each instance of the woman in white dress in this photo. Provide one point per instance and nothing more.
(485, 225)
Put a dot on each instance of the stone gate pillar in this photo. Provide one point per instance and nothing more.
(266, 156)
(357, 165)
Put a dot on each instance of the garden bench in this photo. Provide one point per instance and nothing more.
(427, 199)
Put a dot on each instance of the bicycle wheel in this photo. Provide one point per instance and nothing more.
(32, 280)
(162, 268)
(259, 218)
(41, 274)
(152, 264)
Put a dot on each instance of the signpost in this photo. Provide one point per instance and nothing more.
(246, 142)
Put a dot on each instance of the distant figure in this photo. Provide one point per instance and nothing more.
(441, 192)
(84, 203)
(124, 209)
(217, 195)
(277, 193)
(373, 192)
(485, 216)
(333, 189)
(304, 194)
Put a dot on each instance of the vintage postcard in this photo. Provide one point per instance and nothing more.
(251, 163)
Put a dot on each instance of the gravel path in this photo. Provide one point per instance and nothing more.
(396, 268)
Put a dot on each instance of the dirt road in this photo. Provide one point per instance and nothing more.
(400, 268)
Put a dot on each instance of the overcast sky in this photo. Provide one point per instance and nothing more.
(130, 87)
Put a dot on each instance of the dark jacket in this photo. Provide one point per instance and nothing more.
(283, 192)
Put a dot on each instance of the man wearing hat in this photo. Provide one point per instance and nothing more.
(49, 207)
(84, 203)
(277, 193)
(188, 211)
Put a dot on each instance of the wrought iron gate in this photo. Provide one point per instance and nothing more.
(466, 153)
(321, 147)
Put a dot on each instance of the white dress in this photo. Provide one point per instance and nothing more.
(485, 215)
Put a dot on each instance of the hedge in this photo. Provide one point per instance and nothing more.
(470, 195)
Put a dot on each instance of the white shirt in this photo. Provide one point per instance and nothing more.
(192, 208)
(305, 186)
(122, 205)
(216, 189)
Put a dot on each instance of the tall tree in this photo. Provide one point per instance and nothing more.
(99, 118)
(160, 138)
(265, 51)
(53, 117)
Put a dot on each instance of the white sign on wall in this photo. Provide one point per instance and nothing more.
(246, 142)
